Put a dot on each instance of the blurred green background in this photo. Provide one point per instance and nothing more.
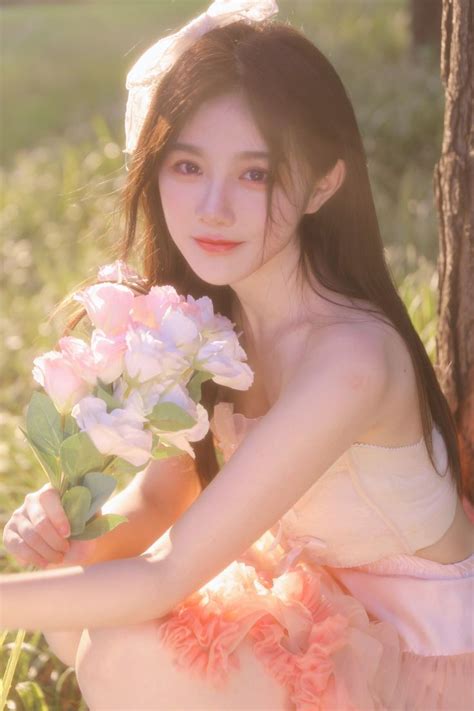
(63, 101)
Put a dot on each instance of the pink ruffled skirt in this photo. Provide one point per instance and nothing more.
(395, 634)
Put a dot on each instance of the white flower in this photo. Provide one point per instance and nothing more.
(148, 356)
(179, 396)
(179, 330)
(119, 432)
(224, 358)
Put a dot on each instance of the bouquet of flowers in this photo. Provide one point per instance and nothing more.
(129, 395)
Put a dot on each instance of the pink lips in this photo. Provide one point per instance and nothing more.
(216, 245)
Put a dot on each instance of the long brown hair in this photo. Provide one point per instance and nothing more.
(301, 107)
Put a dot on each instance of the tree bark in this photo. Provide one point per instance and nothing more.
(454, 190)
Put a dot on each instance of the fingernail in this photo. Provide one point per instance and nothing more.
(65, 531)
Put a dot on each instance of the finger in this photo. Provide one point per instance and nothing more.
(51, 502)
(40, 511)
(24, 553)
(29, 535)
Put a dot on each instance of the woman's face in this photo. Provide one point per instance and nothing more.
(207, 188)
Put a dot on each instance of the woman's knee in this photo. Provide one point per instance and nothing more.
(64, 644)
(107, 657)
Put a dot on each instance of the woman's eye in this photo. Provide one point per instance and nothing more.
(185, 164)
(258, 171)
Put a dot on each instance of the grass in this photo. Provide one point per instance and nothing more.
(75, 57)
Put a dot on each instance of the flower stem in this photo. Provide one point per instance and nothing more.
(63, 482)
(109, 463)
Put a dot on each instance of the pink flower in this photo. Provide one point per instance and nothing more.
(60, 380)
(118, 271)
(202, 309)
(108, 306)
(108, 352)
(149, 309)
(78, 353)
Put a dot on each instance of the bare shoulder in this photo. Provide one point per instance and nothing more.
(366, 352)
(355, 354)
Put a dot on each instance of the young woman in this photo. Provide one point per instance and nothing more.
(328, 562)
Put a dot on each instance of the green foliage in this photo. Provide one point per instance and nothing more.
(110, 401)
(169, 417)
(99, 526)
(79, 456)
(58, 216)
(194, 384)
(43, 424)
(101, 487)
(38, 673)
(76, 502)
(417, 281)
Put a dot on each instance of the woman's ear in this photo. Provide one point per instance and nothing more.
(326, 187)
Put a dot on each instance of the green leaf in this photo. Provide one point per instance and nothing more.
(63, 680)
(161, 450)
(49, 462)
(108, 387)
(76, 503)
(31, 696)
(194, 384)
(170, 417)
(11, 667)
(220, 457)
(121, 466)
(100, 486)
(110, 401)
(99, 526)
(70, 426)
(43, 424)
(79, 455)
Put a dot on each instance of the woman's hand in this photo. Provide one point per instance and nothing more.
(37, 532)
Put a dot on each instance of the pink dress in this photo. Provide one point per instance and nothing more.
(338, 609)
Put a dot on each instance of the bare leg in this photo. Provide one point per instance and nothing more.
(64, 644)
(128, 669)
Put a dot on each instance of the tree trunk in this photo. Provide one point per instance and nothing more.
(454, 190)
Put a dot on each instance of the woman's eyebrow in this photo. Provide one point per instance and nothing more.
(190, 148)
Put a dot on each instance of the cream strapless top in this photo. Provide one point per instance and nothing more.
(372, 502)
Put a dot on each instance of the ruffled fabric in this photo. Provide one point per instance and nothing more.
(337, 639)
(312, 638)
(438, 683)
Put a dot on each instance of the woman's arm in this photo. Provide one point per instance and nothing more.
(152, 502)
(333, 399)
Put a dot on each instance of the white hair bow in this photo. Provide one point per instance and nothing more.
(146, 72)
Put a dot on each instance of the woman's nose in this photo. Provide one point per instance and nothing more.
(214, 206)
